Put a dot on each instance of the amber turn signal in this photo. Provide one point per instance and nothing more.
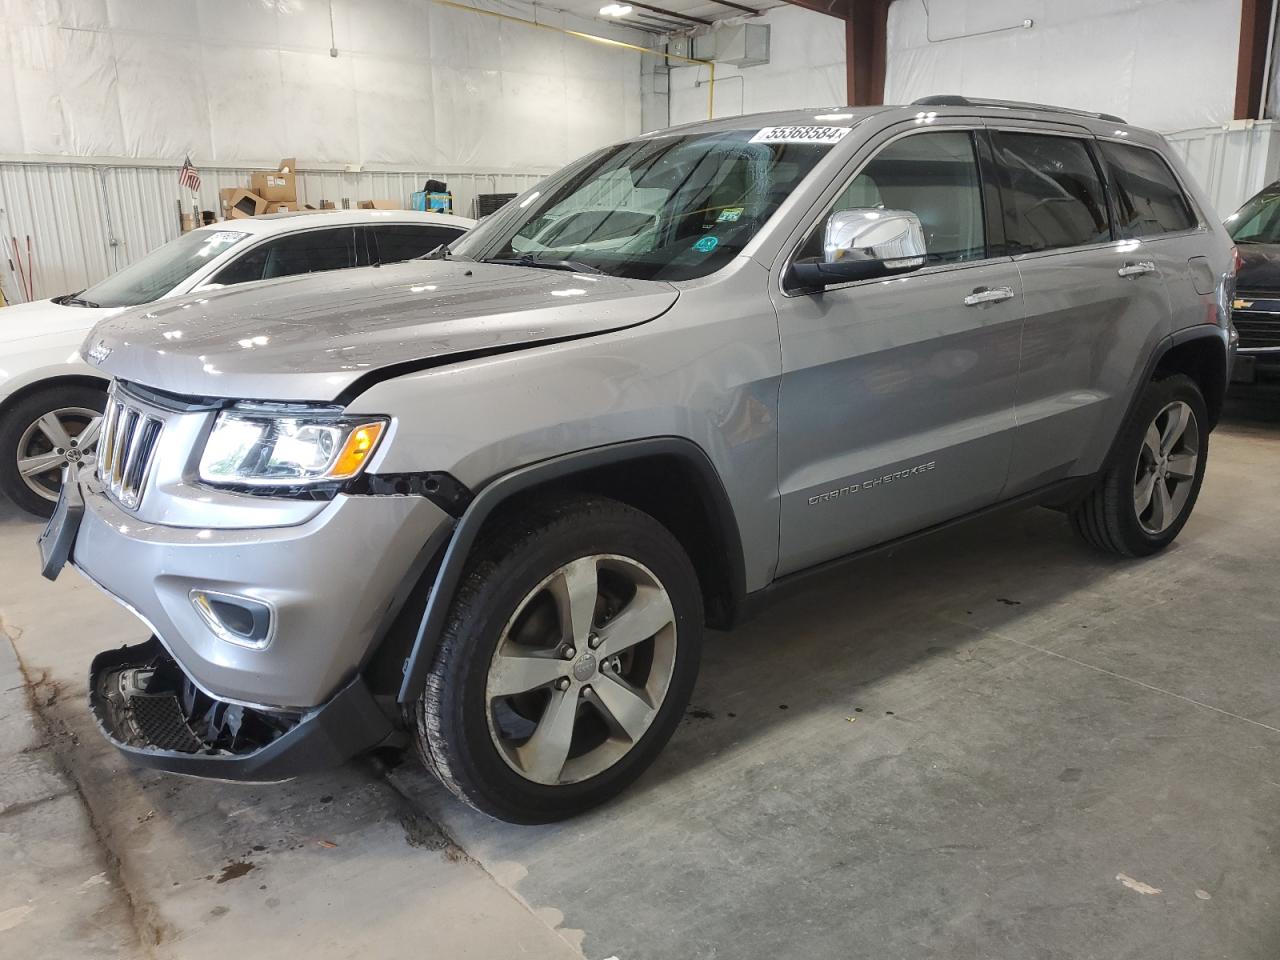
(359, 446)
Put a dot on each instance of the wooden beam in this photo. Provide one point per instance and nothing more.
(1255, 26)
(865, 39)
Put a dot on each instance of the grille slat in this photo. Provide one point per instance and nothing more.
(129, 443)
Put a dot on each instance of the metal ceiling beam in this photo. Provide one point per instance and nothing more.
(737, 6)
(668, 13)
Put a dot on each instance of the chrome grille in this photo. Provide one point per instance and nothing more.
(126, 447)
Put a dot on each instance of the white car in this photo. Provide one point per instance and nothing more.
(50, 399)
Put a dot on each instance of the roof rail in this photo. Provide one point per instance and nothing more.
(953, 100)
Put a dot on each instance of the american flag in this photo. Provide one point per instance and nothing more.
(188, 177)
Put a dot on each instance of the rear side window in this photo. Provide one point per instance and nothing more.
(310, 251)
(1149, 200)
(1052, 193)
(933, 175)
(405, 241)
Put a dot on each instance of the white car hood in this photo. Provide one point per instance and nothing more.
(46, 319)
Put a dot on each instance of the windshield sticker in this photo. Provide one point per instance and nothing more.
(707, 244)
(729, 215)
(826, 135)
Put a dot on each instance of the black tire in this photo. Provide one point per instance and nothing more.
(453, 720)
(1108, 518)
(18, 418)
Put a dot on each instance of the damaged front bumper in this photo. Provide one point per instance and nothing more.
(148, 707)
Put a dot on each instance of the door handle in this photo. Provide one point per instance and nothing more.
(988, 295)
(1137, 269)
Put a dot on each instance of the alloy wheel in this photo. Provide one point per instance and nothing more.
(1166, 471)
(581, 669)
(62, 436)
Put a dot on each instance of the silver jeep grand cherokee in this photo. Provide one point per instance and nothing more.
(487, 502)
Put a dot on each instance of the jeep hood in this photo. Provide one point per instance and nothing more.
(312, 337)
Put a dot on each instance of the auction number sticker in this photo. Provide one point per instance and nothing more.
(800, 135)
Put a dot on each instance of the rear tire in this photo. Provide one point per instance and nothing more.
(1148, 491)
(25, 444)
(567, 661)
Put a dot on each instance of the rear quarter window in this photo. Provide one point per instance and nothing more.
(1149, 199)
(407, 241)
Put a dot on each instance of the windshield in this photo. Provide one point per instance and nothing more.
(1258, 221)
(666, 208)
(160, 270)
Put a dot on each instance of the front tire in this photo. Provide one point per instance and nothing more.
(1147, 493)
(40, 434)
(566, 663)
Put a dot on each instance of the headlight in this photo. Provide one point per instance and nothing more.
(276, 450)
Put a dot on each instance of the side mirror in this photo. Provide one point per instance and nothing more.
(861, 244)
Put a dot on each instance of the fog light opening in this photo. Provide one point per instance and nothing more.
(240, 620)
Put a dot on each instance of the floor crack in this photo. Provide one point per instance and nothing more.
(42, 693)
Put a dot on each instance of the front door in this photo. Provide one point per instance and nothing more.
(896, 405)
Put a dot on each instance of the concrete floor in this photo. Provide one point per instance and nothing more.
(990, 744)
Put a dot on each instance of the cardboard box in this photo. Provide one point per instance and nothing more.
(379, 205)
(283, 206)
(274, 186)
(243, 204)
(224, 200)
(327, 205)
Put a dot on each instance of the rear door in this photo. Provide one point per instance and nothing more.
(1095, 304)
(896, 407)
(1152, 208)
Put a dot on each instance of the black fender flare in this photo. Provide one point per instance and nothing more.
(499, 490)
(1162, 347)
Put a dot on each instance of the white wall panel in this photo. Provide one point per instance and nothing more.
(1231, 164)
(1164, 64)
(73, 211)
(245, 82)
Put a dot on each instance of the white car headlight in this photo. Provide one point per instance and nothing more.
(265, 449)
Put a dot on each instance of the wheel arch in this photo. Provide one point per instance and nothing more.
(49, 383)
(1202, 356)
(671, 478)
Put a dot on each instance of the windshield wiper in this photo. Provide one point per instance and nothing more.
(74, 299)
(525, 260)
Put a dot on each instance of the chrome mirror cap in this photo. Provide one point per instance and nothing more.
(893, 238)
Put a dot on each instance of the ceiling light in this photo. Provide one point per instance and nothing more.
(615, 10)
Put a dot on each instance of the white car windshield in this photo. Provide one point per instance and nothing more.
(161, 270)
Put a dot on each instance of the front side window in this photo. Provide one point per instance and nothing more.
(309, 251)
(666, 208)
(406, 241)
(934, 176)
(1149, 200)
(1052, 194)
(156, 274)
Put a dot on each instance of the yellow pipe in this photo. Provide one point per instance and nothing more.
(711, 85)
